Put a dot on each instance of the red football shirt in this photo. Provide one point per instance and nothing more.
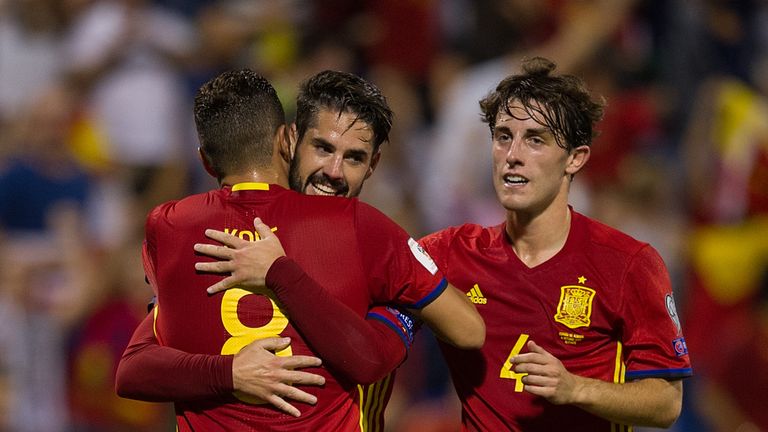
(602, 305)
(355, 251)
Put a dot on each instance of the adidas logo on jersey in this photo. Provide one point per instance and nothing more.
(476, 296)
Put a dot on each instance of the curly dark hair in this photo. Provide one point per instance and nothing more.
(560, 102)
(237, 115)
(346, 93)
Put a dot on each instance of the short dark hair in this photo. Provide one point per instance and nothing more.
(560, 102)
(346, 93)
(237, 115)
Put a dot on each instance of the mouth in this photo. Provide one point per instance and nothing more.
(323, 188)
(514, 180)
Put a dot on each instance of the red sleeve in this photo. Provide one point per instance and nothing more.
(652, 335)
(438, 246)
(363, 351)
(400, 270)
(148, 251)
(154, 373)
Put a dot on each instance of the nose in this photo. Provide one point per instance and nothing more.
(334, 167)
(512, 155)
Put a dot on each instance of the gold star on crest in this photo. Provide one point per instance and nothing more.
(582, 280)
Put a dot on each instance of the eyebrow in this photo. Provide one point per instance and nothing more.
(353, 152)
(323, 141)
(530, 131)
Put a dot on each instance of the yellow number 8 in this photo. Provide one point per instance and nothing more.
(242, 335)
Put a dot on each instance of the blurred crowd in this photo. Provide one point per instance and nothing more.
(96, 129)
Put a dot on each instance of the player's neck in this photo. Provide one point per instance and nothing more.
(535, 238)
(262, 175)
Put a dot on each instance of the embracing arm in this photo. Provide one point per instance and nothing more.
(653, 402)
(151, 372)
(362, 350)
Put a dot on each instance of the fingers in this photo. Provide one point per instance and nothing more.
(304, 378)
(262, 229)
(222, 285)
(215, 266)
(284, 406)
(286, 391)
(225, 238)
(272, 344)
(301, 361)
(220, 252)
(534, 347)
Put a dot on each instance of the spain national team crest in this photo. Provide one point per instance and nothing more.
(575, 307)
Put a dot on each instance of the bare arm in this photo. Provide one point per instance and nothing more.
(653, 402)
(454, 319)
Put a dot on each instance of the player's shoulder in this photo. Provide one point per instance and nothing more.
(468, 233)
(604, 236)
(290, 198)
(185, 209)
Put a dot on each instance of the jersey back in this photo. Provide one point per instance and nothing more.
(358, 254)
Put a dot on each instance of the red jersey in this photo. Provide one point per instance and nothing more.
(602, 305)
(356, 252)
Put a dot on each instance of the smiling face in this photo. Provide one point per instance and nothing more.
(530, 170)
(334, 157)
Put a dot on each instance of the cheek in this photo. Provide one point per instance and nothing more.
(355, 176)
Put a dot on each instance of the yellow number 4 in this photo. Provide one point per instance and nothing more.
(507, 370)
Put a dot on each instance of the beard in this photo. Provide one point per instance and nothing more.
(296, 183)
(294, 178)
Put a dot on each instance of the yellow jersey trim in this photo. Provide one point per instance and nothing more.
(250, 186)
(619, 374)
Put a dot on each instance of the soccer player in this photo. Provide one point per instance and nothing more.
(343, 243)
(583, 333)
(582, 329)
(342, 120)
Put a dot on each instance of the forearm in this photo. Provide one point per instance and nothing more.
(653, 402)
(151, 372)
(361, 350)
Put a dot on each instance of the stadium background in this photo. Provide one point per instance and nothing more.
(95, 129)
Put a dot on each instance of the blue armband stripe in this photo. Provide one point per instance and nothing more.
(659, 373)
(431, 296)
(394, 327)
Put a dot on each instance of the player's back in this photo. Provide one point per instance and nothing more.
(319, 233)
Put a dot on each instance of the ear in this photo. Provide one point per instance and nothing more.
(288, 145)
(374, 162)
(577, 159)
(206, 164)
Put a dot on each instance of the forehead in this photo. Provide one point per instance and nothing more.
(515, 112)
(344, 131)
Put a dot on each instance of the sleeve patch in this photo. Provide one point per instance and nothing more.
(669, 301)
(680, 347)
(401, 322)
(422, 256)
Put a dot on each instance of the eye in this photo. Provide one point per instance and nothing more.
(502, 137)
(355, 159)
(323, 148)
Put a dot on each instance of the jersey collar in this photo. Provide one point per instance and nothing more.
(250, 186)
